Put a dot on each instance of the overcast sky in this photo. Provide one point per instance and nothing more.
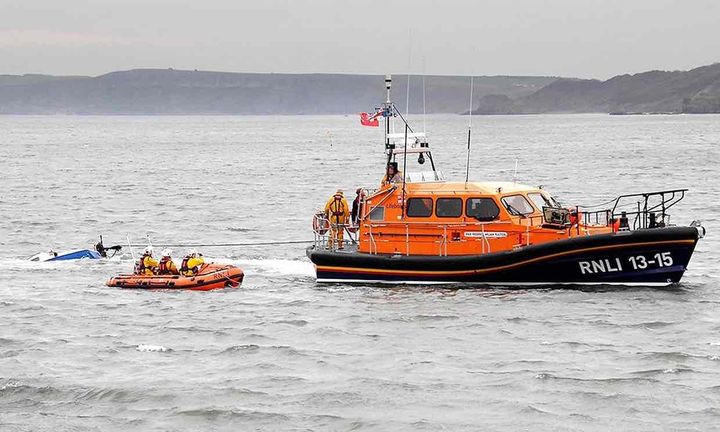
(581, 38)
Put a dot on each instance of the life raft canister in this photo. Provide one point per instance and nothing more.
(320, 224)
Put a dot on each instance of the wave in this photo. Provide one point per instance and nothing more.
(612, 380)
(431, 317)
(152, 348)
(252, 348)
(297, 323)
(239, 229)
(16, 390)
(211, 413)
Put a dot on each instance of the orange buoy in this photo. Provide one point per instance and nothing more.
(210, 277)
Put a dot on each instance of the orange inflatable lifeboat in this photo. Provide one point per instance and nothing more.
(210, 277)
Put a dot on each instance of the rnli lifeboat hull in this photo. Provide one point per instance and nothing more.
(209, 278)
(652, 257)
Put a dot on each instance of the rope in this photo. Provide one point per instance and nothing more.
(224, 244)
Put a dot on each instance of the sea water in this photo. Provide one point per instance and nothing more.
(285, 353)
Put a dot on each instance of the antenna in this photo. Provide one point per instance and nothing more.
(467, 164)
(423, 86)
(407, 98)
(407, 90)
(515, 173)
(132, 254)
(386, 112)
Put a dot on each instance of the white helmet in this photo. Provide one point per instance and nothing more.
(148, 250)
(193, 252)
(166, 252)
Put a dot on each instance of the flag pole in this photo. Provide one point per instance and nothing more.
(388, 84)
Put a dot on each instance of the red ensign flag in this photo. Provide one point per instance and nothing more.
(366, 120)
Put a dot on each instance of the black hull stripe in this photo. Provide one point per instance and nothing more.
(497, 268)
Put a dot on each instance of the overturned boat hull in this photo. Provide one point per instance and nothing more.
(210, 277)
(65, 256)
(650, 257)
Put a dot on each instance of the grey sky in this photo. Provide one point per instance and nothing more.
(583, 38)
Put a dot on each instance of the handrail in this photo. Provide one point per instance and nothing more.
(407, 240)
(436, 224)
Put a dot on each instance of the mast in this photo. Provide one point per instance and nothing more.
(467, 163)
(388, 84)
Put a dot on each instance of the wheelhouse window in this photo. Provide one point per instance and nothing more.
(539, 200)
(482, 209)
(518, 205)
(448, 207)
(377, 214)
(543, 200)
(420, 207)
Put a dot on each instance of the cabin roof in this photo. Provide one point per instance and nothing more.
(485, 188)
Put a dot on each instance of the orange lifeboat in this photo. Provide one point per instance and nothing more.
(419, 228)
(210, 277)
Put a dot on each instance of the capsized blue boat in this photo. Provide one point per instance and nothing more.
(65, 256)
(100, 252)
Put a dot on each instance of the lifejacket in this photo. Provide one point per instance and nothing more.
(339, 209)
(184, 266)
(163, 267)
(140, 265)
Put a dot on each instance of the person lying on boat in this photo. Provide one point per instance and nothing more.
(191, 263)
(146, 265)
(166, 266)
(392, 175)
(337, 212)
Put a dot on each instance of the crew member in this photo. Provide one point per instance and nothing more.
(392, 175)
(191, 263)
(357, 207)
(337, 212)
(166, 266)
(146, 265)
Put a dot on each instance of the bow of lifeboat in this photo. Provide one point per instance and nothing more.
(210, 277)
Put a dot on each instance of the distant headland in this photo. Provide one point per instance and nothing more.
(182, 92)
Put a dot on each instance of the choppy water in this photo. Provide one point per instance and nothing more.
(283, 353)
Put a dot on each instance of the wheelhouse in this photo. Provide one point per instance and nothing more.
(443, 218)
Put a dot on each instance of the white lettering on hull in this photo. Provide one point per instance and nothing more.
(607, 265)
(486, 234)
(635, 262)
